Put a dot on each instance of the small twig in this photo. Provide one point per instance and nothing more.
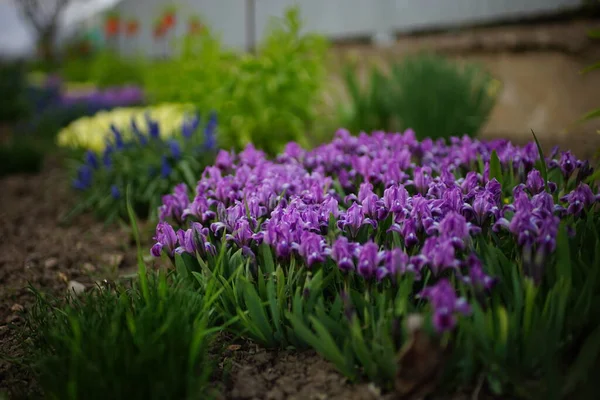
(480, 380)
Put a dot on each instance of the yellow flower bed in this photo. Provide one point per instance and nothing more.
(91, 132)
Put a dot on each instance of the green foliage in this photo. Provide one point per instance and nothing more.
(20, 156)
(266, 99)
(77, 69)
(122, 343)
(430, 94)
(147, 162)
(13, 102)
(109, 69)
(537, 340)
(274, 95)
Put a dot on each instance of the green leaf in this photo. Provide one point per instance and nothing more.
(257, 313)
(586, 360)
(480, 163)
(136, 234)
(181, 267)
(322, 342)
(274, 307)
(267, 255)
(591, 115)
(542, 161)
(563, 254)
(592, 67)
(495, 167)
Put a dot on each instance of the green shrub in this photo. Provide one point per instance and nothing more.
(13, 102)
(20, 156)
(430, 94)
(267, 99)
(146, 342)
(77, 70)
(109, 69)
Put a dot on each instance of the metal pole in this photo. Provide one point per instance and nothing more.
(250, 25)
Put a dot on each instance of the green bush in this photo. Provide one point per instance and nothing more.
(430, 94)
(109, 69)
(267, 99)
(20, 156)
(13, 102)
(77, 70)
(145, 342)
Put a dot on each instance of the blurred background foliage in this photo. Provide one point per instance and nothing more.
(269, 97)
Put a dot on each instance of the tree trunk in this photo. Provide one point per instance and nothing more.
(46, 44)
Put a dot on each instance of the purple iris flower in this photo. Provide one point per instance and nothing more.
(342, 252)
(475, 276)
(166, 240)
(579, 199)
(535, 182)
(312, 248)
(369, 260)
(567, 164)
(446, 305)
(353, 219)
(224, 160)
(174, 205)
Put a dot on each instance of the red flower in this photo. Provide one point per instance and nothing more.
(132, 27)
(111, 26)
(169, 20)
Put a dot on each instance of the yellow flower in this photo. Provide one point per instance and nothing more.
(90, 133)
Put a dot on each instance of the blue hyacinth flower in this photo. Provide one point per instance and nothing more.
(210, 140)
(84, 177)
(91, 159)
(165, 168)
(175, 149)
(119, 144)
(114, 192)
(136, 131)
(153, 127)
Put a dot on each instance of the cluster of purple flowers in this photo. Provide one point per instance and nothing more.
(53, 105)
(378, 205)
(98, 99)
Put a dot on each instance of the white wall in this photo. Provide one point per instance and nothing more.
(335, 18)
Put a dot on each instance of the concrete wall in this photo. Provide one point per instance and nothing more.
(538, 66)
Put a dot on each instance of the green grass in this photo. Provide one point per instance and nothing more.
(122, 343)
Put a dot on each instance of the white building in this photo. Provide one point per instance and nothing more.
(338, 19)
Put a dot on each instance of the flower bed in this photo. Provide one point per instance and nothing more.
(148, 158)
(334, 248)
(54, 104)
(92, 133)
